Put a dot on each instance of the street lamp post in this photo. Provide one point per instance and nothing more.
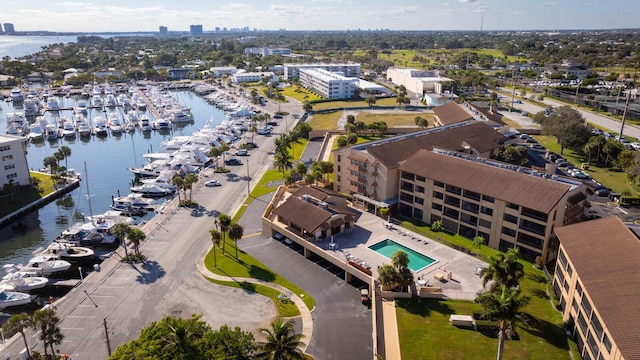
(248, 180)
(513, 95)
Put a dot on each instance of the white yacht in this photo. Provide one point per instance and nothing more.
(100, 126)
(110, 101)
(144, 124)
(17, 124)
(164, 180)
(37, 129)
(67, 252)
(16, 94)
(81, 107)
(96, 101)
(21, 281)
(45, 265)
(31, 106)
(148, 190)
(10, 298)
(53, 104)
(68, 131)
(114, 123)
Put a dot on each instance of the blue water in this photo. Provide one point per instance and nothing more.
(18, 46)
(388, 247)
(107, 162)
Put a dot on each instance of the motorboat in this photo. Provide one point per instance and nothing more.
(100, 126)
(16, 280)
(53, 104)
(162, 124)
(81, 107)
(144, 124)
(37, 129)
(110, 101)
(132, 117)
(67, 252)
(96, 101)
(31, 106)
(114, 123)
(128, 206)
(16, 94)
(10, 298)
(68, 131)
(85, 234)
(149, 190)
(164, 180)
(46, 265)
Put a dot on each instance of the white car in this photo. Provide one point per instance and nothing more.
(212, 183)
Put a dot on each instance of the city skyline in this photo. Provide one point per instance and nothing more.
(138, 15)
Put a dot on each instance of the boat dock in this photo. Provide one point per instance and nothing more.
(150, 106)
(64, 282)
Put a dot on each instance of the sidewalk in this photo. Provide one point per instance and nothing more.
(305, 313)
(391, 340)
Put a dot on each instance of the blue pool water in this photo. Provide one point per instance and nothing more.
(388, 247)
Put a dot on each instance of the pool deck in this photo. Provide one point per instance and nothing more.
(370, 229)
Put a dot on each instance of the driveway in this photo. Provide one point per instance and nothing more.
(342, 325)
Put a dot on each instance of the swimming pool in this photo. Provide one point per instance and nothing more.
(388, 247)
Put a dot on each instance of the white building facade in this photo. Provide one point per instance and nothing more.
(241, 77)
(417, 81)
(329, 85)
(13, 160)
(267, 51)
(292, 71)
(223, 70)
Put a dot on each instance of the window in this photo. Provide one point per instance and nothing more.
(454, 189)
(534, 214)
(513, 206)
(435, 206)
(467, 232)
(438, 195)
(406, 186)
(488, 198)
(510, 218)
(582, 322)
(469, 219)
(406, 197)
(7, 157)
(5, 148)
(593, 344)
(420, 178)
(586, 306)
(574, 305)
(438, 183)
(452, 200)
(339, 157)
(578, 288)
(532, 227)
(408, 176)
(530, 240)
(10, 166)
(419, 200)
(451, 213)
(606, 342)
(338, 168)
(487, 211)
(472, 195)
(569, 270)
(417, 213)
(485, 223)
(420, 189)
(563, 260)
(507, 231)
(596, 325)
(471, 207)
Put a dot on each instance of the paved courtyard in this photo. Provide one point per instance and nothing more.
(370, 229)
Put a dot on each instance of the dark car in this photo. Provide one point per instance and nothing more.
(277, 116)
(272, 123)
(250, 145)
(233, 161)
(603, 191)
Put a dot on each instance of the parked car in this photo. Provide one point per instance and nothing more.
(242, 152)
(272, 123)
(537, 147)
(277, 116)
(212, 183)
(603, 191)
(233, 161)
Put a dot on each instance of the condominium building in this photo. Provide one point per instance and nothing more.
(450, 113)
(267, 51)
(241, 77)
(417, 81)
(370, 173)
(329, 85)
(223, 70)
(506, 204)
(596, 281)
(163, 30)
(8, 28)
(195, 29)
(13, 156)
(292, 71)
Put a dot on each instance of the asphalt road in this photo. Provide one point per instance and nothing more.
(604, 122)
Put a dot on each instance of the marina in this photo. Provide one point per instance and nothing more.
(108, 159)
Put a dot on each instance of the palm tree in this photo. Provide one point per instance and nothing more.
(235, 233)
(505, 307)
(216, 236)
(183, 336)
(282, 342)
(17, 324)
(224, 220)
(51, 162)
(400, 260)
(46, 322)
(179, 183)
(120, 230)
(189, 180)
(136, 236)
(66, 152)
(503, 269)
(387, 275)
(282, 160)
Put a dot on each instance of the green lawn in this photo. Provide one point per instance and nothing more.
(343, 104)
(299, 93)
(543, 339)
(285, 308)
(247, 266)
(609, 177)
(393, 120)
(327, 121)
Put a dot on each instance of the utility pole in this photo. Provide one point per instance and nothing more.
(513, 82)
(106, 333)
(624, 114)
(248, 180)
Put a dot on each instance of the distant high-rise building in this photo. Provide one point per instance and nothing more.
(0, 28)
(196, 29)
(217, 28)
(163, 30)
(8, 28)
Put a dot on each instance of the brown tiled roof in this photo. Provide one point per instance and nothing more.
(451, 113)
(526, 190)
(357, 157)
(299, 212)
(605, 254)
(495, 116)
(314, 192)
(391, 153)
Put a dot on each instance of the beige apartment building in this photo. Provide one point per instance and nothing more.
(369, 171)
(473, 196)
(597, 281)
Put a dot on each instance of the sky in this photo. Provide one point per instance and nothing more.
(177, 15)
